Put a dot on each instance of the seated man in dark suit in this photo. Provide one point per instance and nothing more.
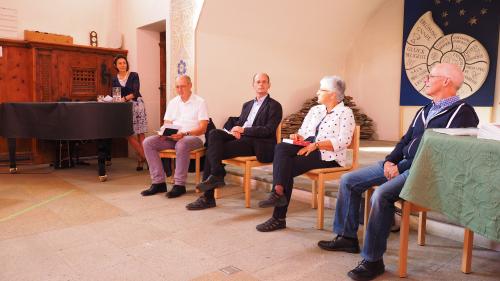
(254, 133)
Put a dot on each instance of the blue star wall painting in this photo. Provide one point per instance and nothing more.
(463, 32)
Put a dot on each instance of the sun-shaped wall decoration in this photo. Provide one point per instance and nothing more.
(427, 45)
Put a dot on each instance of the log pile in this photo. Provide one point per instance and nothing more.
(291, 123)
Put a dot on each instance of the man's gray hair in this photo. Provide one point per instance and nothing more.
(333, 84)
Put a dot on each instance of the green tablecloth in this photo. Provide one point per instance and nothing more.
(460, 177)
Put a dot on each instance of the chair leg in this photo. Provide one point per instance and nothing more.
(321, 202)
(467, 251)
(422, 219)
(217, 193)
(246, 184)
(172, 166)
(314, 197)
(403, 238)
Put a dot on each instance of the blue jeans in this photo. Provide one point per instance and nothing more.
(346, 220)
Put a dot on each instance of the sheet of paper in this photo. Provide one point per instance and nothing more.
(457, 131)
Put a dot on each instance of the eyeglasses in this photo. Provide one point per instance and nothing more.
(428, 77)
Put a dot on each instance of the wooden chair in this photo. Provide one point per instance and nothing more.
(194, 154)
(319, 176)
(422, 215)
(247, 163)
(407, 208)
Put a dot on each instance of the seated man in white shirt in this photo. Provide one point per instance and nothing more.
(328, 127)
(189, 111)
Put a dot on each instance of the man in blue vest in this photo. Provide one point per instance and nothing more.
(445, 111)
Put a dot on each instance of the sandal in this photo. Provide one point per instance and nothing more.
(271, 224)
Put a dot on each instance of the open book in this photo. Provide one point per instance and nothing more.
(168, 130)
(297, 142)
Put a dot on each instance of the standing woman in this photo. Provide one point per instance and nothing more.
(129, 84)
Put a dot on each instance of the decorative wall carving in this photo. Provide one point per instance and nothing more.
(183, 20)
(83, 81)
(43, 67)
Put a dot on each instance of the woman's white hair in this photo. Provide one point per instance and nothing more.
(333, 84)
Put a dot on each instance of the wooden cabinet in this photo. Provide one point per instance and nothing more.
(40, 72)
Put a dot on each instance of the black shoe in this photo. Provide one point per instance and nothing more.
(271, 224)
(176, 191)
(210, 183)
(274, 200)
(155, 188)
(366, 270)
(340, 243)
(201, 203)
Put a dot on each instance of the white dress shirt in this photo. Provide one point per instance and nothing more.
(336, 126)
(187, 114)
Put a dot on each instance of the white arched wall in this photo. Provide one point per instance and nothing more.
(141, 23)
(374, 68)
(297, 44)
(75, 19)
(294, 41)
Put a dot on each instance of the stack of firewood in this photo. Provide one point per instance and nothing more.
(291, 123)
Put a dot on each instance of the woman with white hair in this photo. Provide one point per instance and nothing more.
(321, 142)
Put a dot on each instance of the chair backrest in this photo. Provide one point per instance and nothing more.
(210, 127)
(355, 147)
(278, 133)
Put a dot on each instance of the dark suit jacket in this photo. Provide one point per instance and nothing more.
(262, 134)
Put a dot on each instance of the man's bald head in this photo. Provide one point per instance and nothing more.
(185, 78)
(450, 71)
(183, 87)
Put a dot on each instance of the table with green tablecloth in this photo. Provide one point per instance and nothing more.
(458, 176)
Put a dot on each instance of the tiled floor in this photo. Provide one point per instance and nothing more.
(66, 225)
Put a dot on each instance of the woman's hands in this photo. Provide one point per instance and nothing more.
(296, 137)
(127, 97)
(306, 150)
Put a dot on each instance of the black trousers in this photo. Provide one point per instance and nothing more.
(287, 165)
(222, 145)
(103, 154)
